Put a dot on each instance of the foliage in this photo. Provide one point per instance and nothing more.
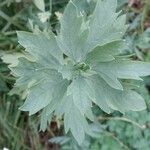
(111, 131)
(91, 71)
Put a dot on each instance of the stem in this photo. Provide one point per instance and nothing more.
(123, 119)
(117, 139)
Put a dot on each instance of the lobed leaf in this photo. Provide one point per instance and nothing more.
(107, 97)
(43, 47)
(72, 35)
(122, 69)
(105, 53)
(81, 98)
(105, 25)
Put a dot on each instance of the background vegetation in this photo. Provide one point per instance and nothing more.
(117, 132)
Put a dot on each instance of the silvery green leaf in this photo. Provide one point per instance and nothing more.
(74, 120)
(12, 58)
(42, 46)
(109, 98)
(72, 35)
(121, 69)
(105, 28)
(39, 97)
(45, 119)
(106, 52)
(82, 95)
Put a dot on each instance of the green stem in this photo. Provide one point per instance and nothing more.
(123, 119)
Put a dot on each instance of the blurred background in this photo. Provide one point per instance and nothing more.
(18, 131)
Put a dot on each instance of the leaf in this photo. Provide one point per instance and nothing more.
(67, 70)
(82, 94)
(83, 6)
(112, 81)
(39, 97)
(105, 53)
(99, 96)
(38, 79)
(57, 97)
(105, 28)
(122, 101)
(77, 124)
(12, 58)
(30, 72)
(35, 43)
(40, 4)
(123, 69)
(45, 119)
(60, 140)
(72, 35)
